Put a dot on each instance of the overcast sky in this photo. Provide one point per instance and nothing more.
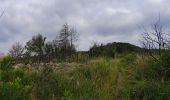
(100, 21)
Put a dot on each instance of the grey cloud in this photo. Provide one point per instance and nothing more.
(95, 20)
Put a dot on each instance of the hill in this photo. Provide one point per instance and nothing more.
(111, 49)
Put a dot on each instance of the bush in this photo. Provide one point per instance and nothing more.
(165, 65)
(14, 84)
(14, 90)
(159, 69)
(48, 85)
(6, 63)
(149, 82)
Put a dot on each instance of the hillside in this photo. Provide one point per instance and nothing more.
(111, 49)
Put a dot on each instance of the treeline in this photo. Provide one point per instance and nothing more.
(63, 48)
(38, 49)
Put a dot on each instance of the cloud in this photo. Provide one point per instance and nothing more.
(95, 20)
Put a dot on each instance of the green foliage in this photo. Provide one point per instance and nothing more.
(106, 79)
(15, 84)
(6, 67)
(129, 77)
(36, 46)
(14, 90)
(165, 65)
(50, 50)
(6, 63)
(147, 81)
(158, 69)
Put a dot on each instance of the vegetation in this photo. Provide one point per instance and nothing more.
(113, 49)
(54, 70)
(126, 77)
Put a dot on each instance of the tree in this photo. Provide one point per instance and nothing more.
(17, 50)
(94, 50)
(56, 49)
(73, 37)
(65, 41)
(156, 41)
(36, 46)
(49, 50)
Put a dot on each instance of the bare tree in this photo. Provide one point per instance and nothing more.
(16, 50)
(156, 40)
(73, 36)
(65, 40)
(64, 43)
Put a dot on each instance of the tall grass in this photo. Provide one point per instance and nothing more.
(129, 77)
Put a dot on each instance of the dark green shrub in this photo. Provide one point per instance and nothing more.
(145, 91)
(159, 69)
(6, 63)
(15, 90)
(165, 65)
(149, 82)
(15, 84)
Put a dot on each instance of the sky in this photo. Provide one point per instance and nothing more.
(100, 21)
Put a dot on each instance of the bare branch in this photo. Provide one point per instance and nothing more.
(155, 41)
